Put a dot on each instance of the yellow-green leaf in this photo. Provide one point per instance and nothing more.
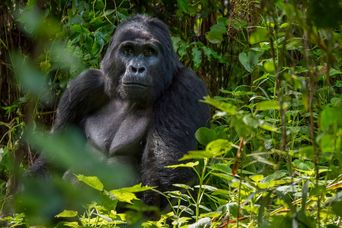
(92, 181)
(67, 214)
(222, 105)
(267, 105)
(259, 35)
(269, 66)
(136, 188)
(123, 196)
(268, 127)
(186, 165)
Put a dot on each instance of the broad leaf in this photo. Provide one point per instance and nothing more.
(92, 181)
(267, 105)
(215, 35)
(67, 214)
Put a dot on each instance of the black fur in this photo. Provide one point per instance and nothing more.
(152, 126)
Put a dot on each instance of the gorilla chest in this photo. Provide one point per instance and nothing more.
(117, 129)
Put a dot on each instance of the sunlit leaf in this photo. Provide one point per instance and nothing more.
(267, 105)
(92, 181)
(136, 188)
(269, 66)
(206, 187)
(67, 214)
(259, 35)
(186, 165)
(184, 186)
(257, 178)
(224, 106)
(213, 149)
(123, 196)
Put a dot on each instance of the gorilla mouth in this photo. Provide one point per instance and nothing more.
(135, 84)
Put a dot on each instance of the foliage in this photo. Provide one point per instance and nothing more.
(271, 156)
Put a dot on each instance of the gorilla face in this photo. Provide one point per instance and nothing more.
(135, 62)
(141, 60)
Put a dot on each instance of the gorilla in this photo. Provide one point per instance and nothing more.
(141, 108)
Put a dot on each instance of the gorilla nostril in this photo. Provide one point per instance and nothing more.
(133, 69)
(141, 69)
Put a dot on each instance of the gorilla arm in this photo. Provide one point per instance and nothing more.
(177, 115)
(84, 95)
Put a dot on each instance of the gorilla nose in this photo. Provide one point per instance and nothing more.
(138, 70)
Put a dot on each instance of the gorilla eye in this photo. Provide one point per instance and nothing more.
(149, 52)
(128, 50)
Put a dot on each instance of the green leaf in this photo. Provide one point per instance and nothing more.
(218, 147)
(222, 105)
(183, 5)
(194, 154)
(123, 196)
(205, 135)
(303, 165)
(206, 187)
(213, 149)
(331, 118)
(259, 35)
(268, 127)
(249, 60)
(221, 167)
(269, 66)
(250, 121)
(267, 105)
(257, 178)
(186, 165)
(264, 160)
(196, 57)
(227, 177)
(183, 186)
(92, 181)
(67, 214)
(215, 35)
(327, 143)
(127, 194)
(136, 188)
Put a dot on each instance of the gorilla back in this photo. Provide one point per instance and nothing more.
(142, 107)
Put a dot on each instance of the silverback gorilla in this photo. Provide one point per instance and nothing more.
(142, 107)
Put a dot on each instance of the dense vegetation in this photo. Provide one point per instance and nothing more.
(272, 156)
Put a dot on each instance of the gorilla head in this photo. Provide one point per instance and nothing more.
(140, 62)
